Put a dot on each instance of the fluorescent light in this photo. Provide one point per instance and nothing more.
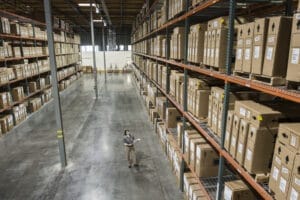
(97, 20)
(86, 4)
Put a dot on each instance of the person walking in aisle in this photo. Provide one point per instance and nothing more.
(130, 150)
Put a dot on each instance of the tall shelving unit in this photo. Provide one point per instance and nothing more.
(208, 10)
(35, 41)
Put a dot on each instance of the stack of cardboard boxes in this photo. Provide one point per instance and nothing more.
(284, 177)
(6, 74)
(215, 43)
(18, 93)
(192, 188)
(34, 104)
(47, 95)
(176, 7)
(158, 45)
(4, 25)
(7, 123)
(5, 100)
(198, 95)
(237, 190)
(6, 50)
(250, 135)
(19, 113)
(196, 43)
(177, 44)
(215, 109)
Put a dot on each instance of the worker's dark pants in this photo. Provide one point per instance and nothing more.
(130, 151)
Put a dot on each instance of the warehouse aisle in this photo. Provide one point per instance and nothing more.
(97, 168)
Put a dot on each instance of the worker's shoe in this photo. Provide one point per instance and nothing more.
(129, 166)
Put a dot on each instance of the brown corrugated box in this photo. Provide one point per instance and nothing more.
(234, 135)
(240, 48)
(187, 135)
(193, 148)
(207, 161)
(259, 43)
(242, 141)
(257, 114)
(172, 117)
(228, 129)
(202, 98)
(277, 46)
(188, 145)
(293, 72)
(248, 45)
(220, 48)
(289, 134)
(259, 152)
(32, 87)
(212, 48)
(237, 190)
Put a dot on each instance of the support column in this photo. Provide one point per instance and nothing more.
(104, 48)
(230, 39)
(58, 115)
(185, 90)
(94, 54)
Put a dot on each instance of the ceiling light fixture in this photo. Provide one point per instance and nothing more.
(86, 4)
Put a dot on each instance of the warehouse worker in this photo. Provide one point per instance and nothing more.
(129, 145)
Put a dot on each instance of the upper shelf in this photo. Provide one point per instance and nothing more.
(275, 91)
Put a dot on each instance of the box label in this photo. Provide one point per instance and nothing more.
(282, 184)
(249, 155)
(257, 38)
(293, 141)
(275, 173)
(247, 54)
(269, 53)
(233, 141)
(294, 194)
(239, 54)
(271, 39)
(295, 55)
(240, 148)
(256, 52)
(297, 181)
(227, 193)
(284, 170)
(243, 112)
(277, 159)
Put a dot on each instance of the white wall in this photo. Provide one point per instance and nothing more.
(119, 58)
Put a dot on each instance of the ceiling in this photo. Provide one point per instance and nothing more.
(121, 12)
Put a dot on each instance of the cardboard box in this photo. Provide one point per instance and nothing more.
(209, 114)
(248, 45)
(259, 152)
(202, 101)
(172, 117)
(220, 48)
(289, 134)
(191, 182)
(3, 100)
(32, 87)
(207, 161)
(212, 47)
(205, 48)
(193, 148)
(229, 124)
(259, 43)
(188, 146)
(186, 177)
(277, 46)
(257, 114)
(234, 135)
(187, 136)
(294, 188)
(18, 93)
(240, 48)
(237, 190)
(242, 141)
(294, 53)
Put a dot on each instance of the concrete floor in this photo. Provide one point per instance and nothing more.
(97, 166)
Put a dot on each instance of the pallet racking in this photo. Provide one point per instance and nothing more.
(202, 10)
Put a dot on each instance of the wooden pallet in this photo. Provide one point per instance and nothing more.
(243, 75)
(292, 85)
(216, 69)
(272, 81)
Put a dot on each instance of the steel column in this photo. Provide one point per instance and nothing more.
(230, 40)
(94, 53)
(104, 48)
(58, 116)
(289, 8)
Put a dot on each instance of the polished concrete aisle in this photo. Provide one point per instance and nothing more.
(97, 167)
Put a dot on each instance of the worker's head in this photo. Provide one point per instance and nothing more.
(126, 132)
